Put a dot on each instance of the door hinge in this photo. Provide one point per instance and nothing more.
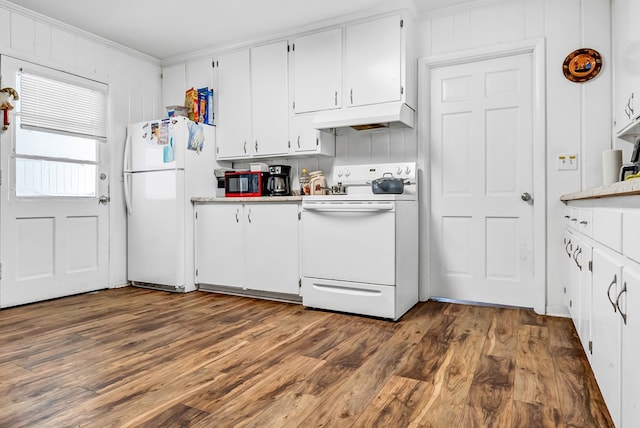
(213, 64)
(401, 23)
(591, 347)
(288, 48)
(590, 265)
(293, 47)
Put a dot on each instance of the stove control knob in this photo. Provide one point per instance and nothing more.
(399, 171)
(339, 173)
(347, 173)
(408, 170)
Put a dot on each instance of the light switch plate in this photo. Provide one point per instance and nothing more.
(567, 161)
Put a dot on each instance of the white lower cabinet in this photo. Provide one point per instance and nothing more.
(629, 311)
(603, 297)
(606, 331)
(219, 244)
(252, 246)
(271, 244)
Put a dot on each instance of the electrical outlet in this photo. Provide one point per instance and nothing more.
(567, 161)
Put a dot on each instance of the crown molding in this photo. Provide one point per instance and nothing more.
(385, 7)
(14, 8)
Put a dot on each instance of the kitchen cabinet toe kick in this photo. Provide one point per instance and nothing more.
(243, 292)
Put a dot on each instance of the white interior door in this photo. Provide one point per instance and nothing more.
(481, 160)
(51, 246)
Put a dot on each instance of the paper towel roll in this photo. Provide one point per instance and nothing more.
(611, 163)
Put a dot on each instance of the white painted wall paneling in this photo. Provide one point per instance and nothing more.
(134, 93)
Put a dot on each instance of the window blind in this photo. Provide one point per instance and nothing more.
(58, 106)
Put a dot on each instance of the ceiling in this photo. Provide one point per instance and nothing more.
(164, 28)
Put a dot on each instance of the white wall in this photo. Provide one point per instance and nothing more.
(134, 92)
(578, 115)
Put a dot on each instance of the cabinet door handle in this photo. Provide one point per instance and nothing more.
(567, 217)
(576, 258)
(615, 280)
(351, 95)
(249, 215)
(245, 146)
(622, 314)
(335, 98)
(237, 213)
(256, 146)
(298, 141)
(566, 248)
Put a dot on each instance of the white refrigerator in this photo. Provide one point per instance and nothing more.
(166, 162)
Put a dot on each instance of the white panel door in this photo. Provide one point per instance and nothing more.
(317, 67)
(234, 105)
(269, 99)
(51, 246)
(481, 161)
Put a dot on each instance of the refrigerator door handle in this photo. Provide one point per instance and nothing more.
(125, 158)
(127, 196)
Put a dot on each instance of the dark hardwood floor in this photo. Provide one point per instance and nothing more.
(135, 357)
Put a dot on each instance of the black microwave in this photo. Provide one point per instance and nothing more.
(245, 183)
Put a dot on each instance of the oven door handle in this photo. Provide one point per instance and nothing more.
(349, 207)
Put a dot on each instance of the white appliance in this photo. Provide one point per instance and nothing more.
(360, 250)
(166, 162)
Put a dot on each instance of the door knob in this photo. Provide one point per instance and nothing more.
(103, 200)
(526, 197)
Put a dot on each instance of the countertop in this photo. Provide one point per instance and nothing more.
(198, 199)
(621, 188)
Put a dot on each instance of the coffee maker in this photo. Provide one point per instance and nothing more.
(278, 183)
(634, 166)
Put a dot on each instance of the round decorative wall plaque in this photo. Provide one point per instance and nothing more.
(582, 65)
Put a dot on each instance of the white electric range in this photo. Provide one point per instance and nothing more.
(360, 250)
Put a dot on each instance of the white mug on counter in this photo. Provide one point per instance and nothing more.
(611, 163)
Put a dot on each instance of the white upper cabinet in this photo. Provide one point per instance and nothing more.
(305, 139)
(269, 99)
(234, 105)
(317, 71)
(173, 84)
(374, 62)
(626, 43)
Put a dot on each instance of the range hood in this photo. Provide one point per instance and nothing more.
(361, 118)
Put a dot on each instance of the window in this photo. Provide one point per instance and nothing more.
(59, 124)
